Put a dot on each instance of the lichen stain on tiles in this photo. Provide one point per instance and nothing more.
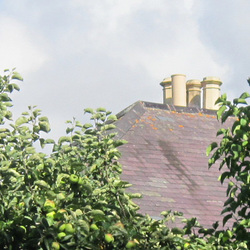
(158, 184)
(148, 193)
(167, 200)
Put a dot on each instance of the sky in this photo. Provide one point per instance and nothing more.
(105, 53)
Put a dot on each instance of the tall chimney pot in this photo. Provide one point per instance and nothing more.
(179, 90)
(211, 92)
(167, 90)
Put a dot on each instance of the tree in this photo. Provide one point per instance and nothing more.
(73, 198)
(233, 152)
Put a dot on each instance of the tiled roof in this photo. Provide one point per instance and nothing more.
(165, 159)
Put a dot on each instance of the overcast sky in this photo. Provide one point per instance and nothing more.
(75, 54)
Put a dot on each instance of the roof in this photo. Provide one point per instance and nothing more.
(165, 159)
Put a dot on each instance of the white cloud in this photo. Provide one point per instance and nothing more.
(17, 48)
(111, 53)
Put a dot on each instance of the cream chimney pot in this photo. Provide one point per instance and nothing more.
(211, 92)
(194, 93)
(179, 94)
(167, 90)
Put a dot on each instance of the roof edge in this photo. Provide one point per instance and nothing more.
(123, 124)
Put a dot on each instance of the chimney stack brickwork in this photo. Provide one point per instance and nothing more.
(178, 92)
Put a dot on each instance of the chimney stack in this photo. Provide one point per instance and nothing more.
(179, 94)
(211, 92)
(167, 90)
(194, 93)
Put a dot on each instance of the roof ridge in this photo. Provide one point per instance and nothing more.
(124, 123)
(179, 109)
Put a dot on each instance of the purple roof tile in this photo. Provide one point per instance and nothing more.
(165, 159)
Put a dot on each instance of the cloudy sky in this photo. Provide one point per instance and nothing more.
(75, 54)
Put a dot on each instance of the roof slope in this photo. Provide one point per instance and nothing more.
(165, 159)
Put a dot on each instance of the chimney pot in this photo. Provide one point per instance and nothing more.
(167, 90)
(194, 93)
(211, 92)
(179, 94)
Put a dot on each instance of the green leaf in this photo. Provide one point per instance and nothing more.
(243, 122)
(60, 177)
(211, 147)
(221, 131)
(223, 176)
(87, 125)
(245, 222)
(42, 183)
(4, 97)
(98, 215)
(44, 126)
(69, 130)
(21, 120)
(244, 95)
(103, 110)
(221, 111)
(201, 241)
(63, 139)
(84, 226)
(242, 101)
(43, 119)
(8, 115)
(78, 124)
(16, 76)
(109, 127)
(177, 230)
(226, 114)
(226, 218)
(221, 99)
(16, 87)
(49, 141)
(112, 118)
(89, 110)
(30, 150)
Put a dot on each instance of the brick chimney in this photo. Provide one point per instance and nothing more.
(193, 93)
(179, 94)
(211, 92)
(167, 90)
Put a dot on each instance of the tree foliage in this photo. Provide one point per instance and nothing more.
(73, 198)
(233, 151)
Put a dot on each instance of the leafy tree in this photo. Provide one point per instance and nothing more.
(233, 152)
(73, 198)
